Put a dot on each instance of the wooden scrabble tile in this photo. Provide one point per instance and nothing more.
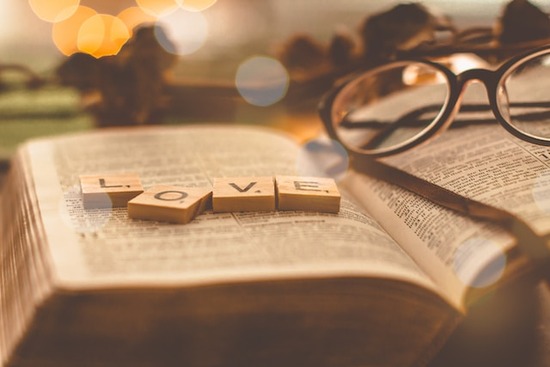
(170, 203)
(109, 190)
(307, 193)
(243, 194)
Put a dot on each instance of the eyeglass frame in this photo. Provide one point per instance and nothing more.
(456, 85)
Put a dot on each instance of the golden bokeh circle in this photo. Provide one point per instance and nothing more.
(65, 33)
(54, 11)
(102, 35)
(134, 17)
(196, 5)
(157, 8)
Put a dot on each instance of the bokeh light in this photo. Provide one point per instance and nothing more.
(158, 8)
(541, 191)
(7, 20)
(134, 17)
(54, 10)
(322, 157)
(262, 81)
(230, 25)
(102, 35)
(65, 33)
(188, 31)
(87, 221)
(196, 5)
(475, 254)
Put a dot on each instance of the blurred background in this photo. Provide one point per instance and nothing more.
(228, 42)
(212, 29)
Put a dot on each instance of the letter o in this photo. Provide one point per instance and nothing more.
(182, 196)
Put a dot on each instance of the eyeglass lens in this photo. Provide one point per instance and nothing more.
(523, 96)
(392, 106)
(384, 109)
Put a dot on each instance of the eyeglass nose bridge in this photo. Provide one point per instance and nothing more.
(489, 78)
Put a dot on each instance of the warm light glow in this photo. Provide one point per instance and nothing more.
(134, 17)
(7, 21)
(54, 10)
(475, 254)
(102, 35)
(540, 193)
(157, 8)
(322, 157)
(65, 33)
(187, 30)
(459, 63)
(196, 5)
(418, 74)
(90, 220)
(230, 26)
(262, 81)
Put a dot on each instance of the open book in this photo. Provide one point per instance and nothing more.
(381, 283)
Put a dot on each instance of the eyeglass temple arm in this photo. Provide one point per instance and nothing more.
(413, 118)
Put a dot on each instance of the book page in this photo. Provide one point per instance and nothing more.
(452, 248)
(103, 247)
(477, 160)
(488, 164)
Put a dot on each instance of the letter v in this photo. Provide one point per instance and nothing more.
(236, 187)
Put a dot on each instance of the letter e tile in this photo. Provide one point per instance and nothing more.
(170, 203)
(317, 194)
(109, 190)
(243, 194)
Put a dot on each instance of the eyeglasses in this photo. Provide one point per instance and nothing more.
(397, 106)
